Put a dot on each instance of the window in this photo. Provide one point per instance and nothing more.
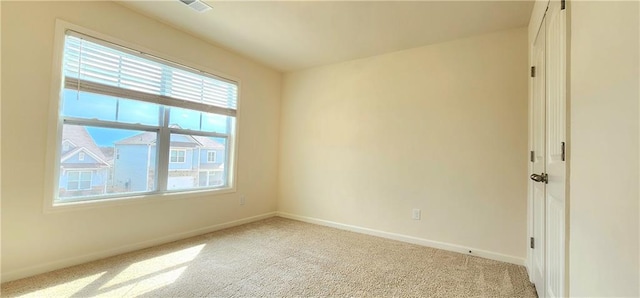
(78, 180)
(211, 156)
(148, 124)
(177, 155)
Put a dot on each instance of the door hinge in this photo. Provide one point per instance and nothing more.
(532, 243)
(533, 71)
(563, 4)
(563, 152)
(532, 156)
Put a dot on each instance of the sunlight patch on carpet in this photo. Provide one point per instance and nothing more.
(66, 289)
(145, 285)
(149, 270)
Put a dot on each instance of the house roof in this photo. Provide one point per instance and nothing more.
(80, 137)
(144, 138)
(208, 142)
(148, 138)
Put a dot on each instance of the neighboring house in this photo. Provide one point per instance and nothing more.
(84, 169)
(194, 161)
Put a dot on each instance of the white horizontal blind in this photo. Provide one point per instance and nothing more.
(97, 66)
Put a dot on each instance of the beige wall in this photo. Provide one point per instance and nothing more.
(603, 244)
(442, 128)
(31, 238)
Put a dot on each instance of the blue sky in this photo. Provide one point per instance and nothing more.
(102, 107)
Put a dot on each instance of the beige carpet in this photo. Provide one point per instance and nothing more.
(278, 257)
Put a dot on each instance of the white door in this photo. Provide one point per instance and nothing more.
(549, 154)
(538, 160)
(555, 167)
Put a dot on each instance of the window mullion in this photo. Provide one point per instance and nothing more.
(164, 144)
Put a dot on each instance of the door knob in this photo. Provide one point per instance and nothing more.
(540, 178)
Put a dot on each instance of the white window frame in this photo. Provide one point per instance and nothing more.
(79, 179)
(81, 156)
(54, 137)
(184, 155)
(209, 153)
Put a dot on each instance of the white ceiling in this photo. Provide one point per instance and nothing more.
(292, 35)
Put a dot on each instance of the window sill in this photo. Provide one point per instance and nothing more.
(56, 207)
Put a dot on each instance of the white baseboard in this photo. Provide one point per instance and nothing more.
(59, 264)
(410, 239)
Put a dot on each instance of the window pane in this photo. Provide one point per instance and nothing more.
(184, 118)
(133, 111)
(216, 123)
(196, 170)
(95, 106)
(89, 105)
(84, 176)
(200, 121)
(102, 172)
(75, 175)
(85, 185)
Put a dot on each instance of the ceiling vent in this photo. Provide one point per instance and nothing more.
(197, 5)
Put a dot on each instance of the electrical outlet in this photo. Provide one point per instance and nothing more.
(416, 214)
(243, 200)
